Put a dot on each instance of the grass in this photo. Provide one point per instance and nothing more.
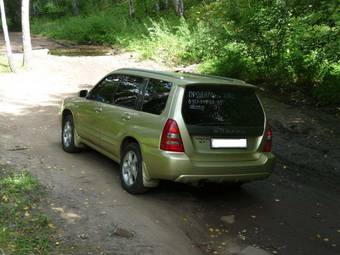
(4, 68)
(24, 228)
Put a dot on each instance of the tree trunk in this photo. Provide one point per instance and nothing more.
(6, 36)
(157, 7)
(75, 8)
(26, 33)
(166, 4)
(179, 7)
(132, 10)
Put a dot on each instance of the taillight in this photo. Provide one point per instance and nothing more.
(268, 136)
(171, 137)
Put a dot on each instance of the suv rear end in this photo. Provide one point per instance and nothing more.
(214, 132)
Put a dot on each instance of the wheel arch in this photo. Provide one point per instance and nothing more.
(65, 113)
(125, 141)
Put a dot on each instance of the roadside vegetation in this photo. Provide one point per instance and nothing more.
(24, 228)
(4, 68)
(290, 46)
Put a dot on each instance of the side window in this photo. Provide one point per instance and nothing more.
(155, 96)
(104, 91)
(129, 91)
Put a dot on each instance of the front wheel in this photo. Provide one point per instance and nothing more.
(67, 135)
(131, 173)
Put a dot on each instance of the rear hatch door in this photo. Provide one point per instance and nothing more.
(224, 122)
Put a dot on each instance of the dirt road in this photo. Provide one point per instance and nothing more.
(295, 211)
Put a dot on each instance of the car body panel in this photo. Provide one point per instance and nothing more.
(107, 129)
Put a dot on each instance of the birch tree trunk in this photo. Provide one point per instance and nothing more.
(179, 7)
(157, 7)
(166, 4)
(132, 10)
(26, 33)
(75, 8)
(6, 36)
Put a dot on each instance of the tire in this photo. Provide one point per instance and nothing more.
(67, 135)
(131, 171)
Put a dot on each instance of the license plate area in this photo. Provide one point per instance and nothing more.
(221, 143)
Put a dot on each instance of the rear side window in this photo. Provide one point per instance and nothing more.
(227, 110)
(129, 91)
(155, 96)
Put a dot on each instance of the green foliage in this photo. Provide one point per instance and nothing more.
(164, 41)
(287, 45)
(23, 228)
(233, 60)
(4, 68)
(103, 28)
(328, 90)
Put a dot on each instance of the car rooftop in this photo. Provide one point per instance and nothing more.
(181, 78)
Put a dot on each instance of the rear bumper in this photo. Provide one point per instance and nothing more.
(178, 167)
(223, 178)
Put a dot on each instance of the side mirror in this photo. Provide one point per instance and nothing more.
(83, 93)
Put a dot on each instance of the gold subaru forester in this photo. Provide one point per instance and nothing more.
(182, 127)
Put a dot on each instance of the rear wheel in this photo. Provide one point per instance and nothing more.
(67, 135)
(131, 173)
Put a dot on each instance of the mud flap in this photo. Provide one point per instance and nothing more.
(147, 181)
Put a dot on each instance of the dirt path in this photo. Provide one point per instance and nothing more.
(296, 211)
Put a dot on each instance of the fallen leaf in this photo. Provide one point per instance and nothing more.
(50, 225)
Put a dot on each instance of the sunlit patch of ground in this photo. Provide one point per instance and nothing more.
(51, 78)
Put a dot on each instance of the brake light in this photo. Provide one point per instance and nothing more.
(171, 137)
(268, 136)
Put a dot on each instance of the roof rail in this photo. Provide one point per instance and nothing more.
(210, 76)
(165, 73)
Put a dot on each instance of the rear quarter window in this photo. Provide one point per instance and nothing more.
(156, 95)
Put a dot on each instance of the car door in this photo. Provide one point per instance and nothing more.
(90, 114)
(118, 117)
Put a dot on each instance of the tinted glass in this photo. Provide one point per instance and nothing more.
(129, 91)
(104, 91)
(221, 106)
(155, 96)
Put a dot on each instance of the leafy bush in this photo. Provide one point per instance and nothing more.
(164, 41)
(233, 61)
(328, 90)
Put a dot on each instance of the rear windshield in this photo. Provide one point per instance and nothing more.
(229, 111)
